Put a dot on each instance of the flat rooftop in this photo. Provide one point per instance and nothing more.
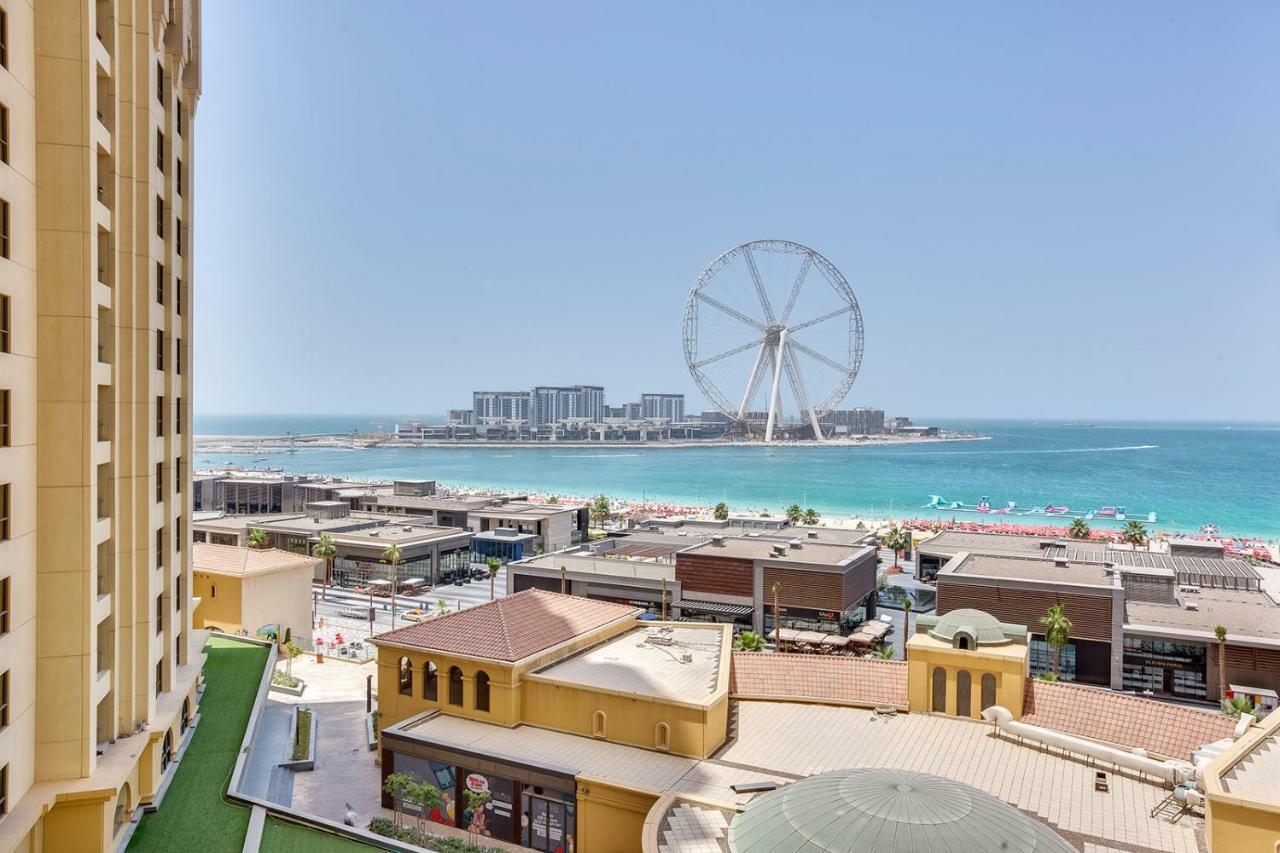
(1031, 569)
(784, 741)
(1246, 613)
(676, 662)
(951, 542)
(358, 526)
(606, 567)
(750, 548)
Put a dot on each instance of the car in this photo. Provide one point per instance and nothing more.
(361, 613)
(414, 615)
(479, 574)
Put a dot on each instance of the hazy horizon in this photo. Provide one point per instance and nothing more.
(1046, 212)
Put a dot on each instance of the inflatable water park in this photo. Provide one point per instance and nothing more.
(985, 506)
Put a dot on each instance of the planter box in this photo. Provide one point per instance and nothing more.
(370, 733)
(292, 691)
(309, 761)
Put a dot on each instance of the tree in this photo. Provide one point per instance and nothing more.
(426, 797)
(883, 652)
(794, 514)
(810, 516)
(553, 500)
(1057, 633)
(392, 555)
(1134, 533)
(494, 565)
(258, 538)
(777, 626)
(442, 606)
(749, 641)
(1079, 529)
(398, 785)
(1220, 631)
(896, 540)
(325, 548)
(721, 512)
(476, 801)
(289, 651)
(600, 510)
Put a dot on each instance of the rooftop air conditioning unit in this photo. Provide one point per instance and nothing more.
(1191, 605)
(794, 544)
(717, 541)
(1062, 564)
(813, 534)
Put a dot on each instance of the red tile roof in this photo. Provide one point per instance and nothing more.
(509, 628)
(861, 681)
(1172, 731)
(236, 560)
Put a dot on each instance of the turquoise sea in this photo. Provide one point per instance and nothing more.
(1188, 473)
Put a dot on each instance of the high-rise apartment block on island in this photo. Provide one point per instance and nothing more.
(97, 673)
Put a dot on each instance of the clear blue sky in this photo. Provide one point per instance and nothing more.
(1045, 209)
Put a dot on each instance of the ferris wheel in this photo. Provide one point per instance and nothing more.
(737, 338)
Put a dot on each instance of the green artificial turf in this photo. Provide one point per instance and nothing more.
(195, 814)
(279, 836)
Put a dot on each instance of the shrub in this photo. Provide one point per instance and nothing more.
(302, 738)
(410, 835)
(284, 679)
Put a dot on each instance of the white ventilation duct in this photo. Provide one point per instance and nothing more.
(1172, 772)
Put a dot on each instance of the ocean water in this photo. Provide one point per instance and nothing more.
(1188, 473)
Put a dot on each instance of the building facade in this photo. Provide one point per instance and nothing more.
(549, 404)
(97, 103)
(665, 406)
(502, 405)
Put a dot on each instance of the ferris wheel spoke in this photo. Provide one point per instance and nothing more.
(735, 314)
(816, 320)
(795, 288)
(817, 356)
(759, 283)
(800, 393)
(720, 356)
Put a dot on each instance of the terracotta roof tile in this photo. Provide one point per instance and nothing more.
(510, 628)
(1172, 731)
(236, 560)
(866, 681)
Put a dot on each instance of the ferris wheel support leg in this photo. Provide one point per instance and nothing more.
(753, 381)
(802, 394)
(775, 392)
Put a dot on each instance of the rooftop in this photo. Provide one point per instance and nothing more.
(641, 569)
(234, 560)
(651, 661)
(1256, 776)
(510, 628)
(950, 542)
(1032, 569)
(750, 548)
(1245, 613)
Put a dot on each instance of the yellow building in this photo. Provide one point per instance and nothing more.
(554, 662)
(248, 589)
(97, 669)
(1242, 793)
(965, 662)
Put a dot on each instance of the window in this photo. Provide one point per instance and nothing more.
(430, 682)
(160, 150)
(159, 82)
(177, 368)
(4, 699)
(159, 349)
(159, 487)
(177, 176)
(4, 63)
(939, 690)
(597, 724)
(482, 691)
(4, 417)
(4, 133)
(159, 216)
(988, 690)
(160, 416)
(213, 590)
(4, 322)
(455, 686)
(4, 512)
(160, 283)
(160, 548)
(181, 117)
(177, 296)
(177, 475)
(4, 229)
(177, 415)
(406, 677)
(177, 592)
(662, 736)
(177, 237)
(4, 605)
(159, 677)
(159, 613)
(4, 771)
(964, 681)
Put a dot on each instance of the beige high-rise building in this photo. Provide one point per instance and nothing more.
(97, 673)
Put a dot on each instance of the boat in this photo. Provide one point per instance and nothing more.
(985, 507)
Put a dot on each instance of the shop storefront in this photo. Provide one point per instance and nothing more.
(1165, 667)
(826, 621)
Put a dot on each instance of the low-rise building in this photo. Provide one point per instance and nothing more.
(255, 591)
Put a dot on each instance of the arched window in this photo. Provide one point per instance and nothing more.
(430, 682)
(964, 681)
(186, 715)
(406, 677)
(964, 642)
(662, 736)
(455, 686)
(122, 809)
(988, 690)
(166, 750)
(597, 724)
(482, 691)
(939, 690)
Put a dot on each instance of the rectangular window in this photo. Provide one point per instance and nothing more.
(177, 475)
(160, 417)
(159, 216)
(159, 677)
(4, 417)
(177, 367)
(159, 349)
(4, 133)
(4, 699)
(159, 487)
(160, 283)
(4, 228)
(159, 82)
(177, 415)
(4, 512)
(160, 548)
(160, 150)
(159, 613)
(181, 118)
(4, 63)
(4, 606)
(177, 296)
(4, 322)
(177, 176)
(177, 237)
(4, 773)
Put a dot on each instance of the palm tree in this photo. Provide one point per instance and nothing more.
(325, 548)
(600, 510)
(1135, 533)
(897, 540)
(794, 514)
(442, 606)
(810, 516)
(721, 512)
(258, 538)
(494, 565)
(1057, 632)
(1079, 530)
(777, 626)
(392, 555)
(1220, 631)
(748, 641)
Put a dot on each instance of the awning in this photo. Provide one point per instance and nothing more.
(717, 607)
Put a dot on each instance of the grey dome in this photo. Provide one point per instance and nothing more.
(984, 628)
(886, 811)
